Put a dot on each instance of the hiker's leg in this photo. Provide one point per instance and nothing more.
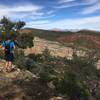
(10, 65)
(7, 61)
(10, 58)
(6, 66)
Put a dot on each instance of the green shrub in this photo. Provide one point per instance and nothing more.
(1, 54)
(70, 77)
(45, 76)
(19, 58)
(36, 58)
(85, 43)
(25, 40)
(71, 86)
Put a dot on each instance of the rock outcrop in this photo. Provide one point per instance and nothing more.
(55, 48)
(98, 64)
(22, 85)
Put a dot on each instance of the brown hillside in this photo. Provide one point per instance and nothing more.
(66, 37)
(74, 37)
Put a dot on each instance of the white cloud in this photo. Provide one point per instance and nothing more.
(26, 12)
(19, 11)
(82, 23)
(20, 8)
(65, 1)
(90, 1)
(51, 12)
(73, 3)
(91, 9)
(41, 17)
(39, 22)
(67, 5)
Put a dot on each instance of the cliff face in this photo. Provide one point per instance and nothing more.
(55, 48)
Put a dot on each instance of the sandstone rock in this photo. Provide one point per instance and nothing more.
(80, 53)
(51, 85)
(98, 64)
(55, 48)
(56, 98)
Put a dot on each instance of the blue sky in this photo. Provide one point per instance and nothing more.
(54, 14)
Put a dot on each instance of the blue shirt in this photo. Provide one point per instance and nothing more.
(7, 42)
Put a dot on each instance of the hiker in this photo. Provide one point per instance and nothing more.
(8, 46)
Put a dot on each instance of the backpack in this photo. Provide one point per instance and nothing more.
(7, 48)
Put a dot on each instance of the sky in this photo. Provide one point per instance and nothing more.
(54, 14)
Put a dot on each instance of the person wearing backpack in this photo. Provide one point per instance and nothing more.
(8, 47)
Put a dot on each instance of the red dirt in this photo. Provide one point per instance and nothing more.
(74, 37)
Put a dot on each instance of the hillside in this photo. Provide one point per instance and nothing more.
(44, 77)
(80, 38)
(72, 74)
(46, 34)
(22, 85)
(76, 79)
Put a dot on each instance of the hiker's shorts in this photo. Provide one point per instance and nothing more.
(9, 57)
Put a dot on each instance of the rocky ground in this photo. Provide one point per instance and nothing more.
(23, 85)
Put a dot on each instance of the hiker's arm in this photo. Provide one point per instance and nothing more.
(1, 47)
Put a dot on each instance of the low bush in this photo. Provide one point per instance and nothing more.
(76, 78)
